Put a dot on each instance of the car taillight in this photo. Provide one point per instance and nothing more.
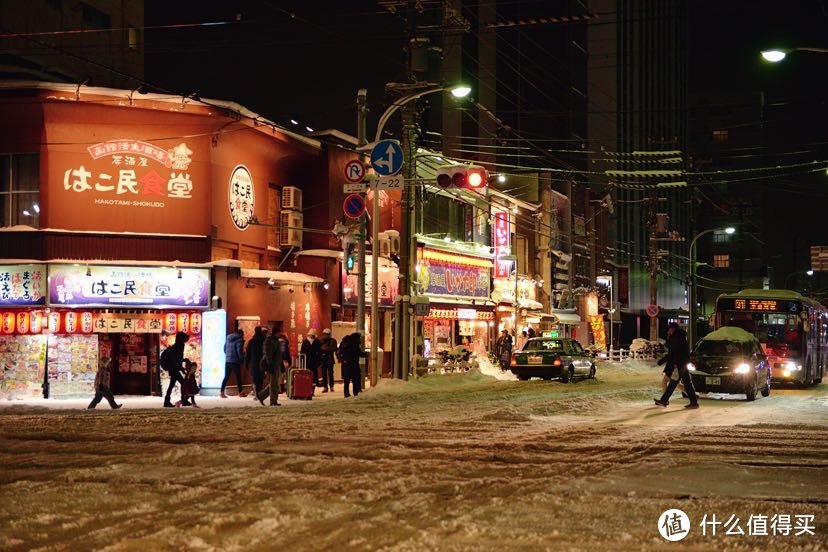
(513, 362)
(557, 362)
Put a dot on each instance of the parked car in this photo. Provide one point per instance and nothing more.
(552, 357)
(730, 360)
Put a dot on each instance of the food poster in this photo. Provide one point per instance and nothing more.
(73, 364)
(22, 360)
(192, 351)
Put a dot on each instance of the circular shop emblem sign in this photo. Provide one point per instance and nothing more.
(673, 525)
(240, 197)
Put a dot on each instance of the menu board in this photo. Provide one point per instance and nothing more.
(73, 361)
(21, 365)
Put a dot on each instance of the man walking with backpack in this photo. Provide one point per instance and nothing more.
(171, 361)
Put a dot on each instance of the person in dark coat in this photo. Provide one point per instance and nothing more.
(503, 350)
(253, 357)
(190, 388)
(102, 389)
(678, 354)
(173, 365)
(311, 348)
(327, 350)
(233, 359)
(273, 364)
(349, 353)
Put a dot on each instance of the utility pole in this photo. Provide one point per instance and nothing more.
(362, 139)
(652, 261)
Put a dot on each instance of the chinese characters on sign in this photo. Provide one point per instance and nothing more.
(443, 273)
(501, 242)
(132, 182)
(240, 197)
(22, 285)
(674, 525)
(129, 286)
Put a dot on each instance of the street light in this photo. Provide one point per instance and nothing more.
(411, 91)
(606, 280)
(777, 55)
(797, 273)
(691, 327)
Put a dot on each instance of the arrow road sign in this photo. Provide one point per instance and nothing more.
(353, 206)
(387, 157)
(354, 171)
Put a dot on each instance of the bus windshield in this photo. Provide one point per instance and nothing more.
(781, 332)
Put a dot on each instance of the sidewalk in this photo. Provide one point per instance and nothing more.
(136, 402)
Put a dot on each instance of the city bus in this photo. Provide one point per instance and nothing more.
(792, 329)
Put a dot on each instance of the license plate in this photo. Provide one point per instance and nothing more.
(535, 359)
(712, 381)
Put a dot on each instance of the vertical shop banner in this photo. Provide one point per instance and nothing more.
(501, 240)
(213, 335)
(22, 285)
(123, 286)
(598, 334)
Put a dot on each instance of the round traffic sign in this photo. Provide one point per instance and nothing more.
(652, 310)
(353, 206)
(354, 171)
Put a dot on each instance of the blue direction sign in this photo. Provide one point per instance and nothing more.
(387, 157)
(353, 206)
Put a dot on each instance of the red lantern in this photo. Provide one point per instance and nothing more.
(36, 322)
(70, 322)
(86, 322)
(195, 323)
(54, 322)
(183, 322)
(170, 320)
(22, 322)
(8, 322)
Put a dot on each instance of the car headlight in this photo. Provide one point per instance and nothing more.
(786, 373)
(691, 366)
(743, 368)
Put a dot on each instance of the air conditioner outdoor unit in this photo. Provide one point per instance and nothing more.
(291, 198)
(289, 233)
(384, 247)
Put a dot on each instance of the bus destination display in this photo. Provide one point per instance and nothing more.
(758, 305)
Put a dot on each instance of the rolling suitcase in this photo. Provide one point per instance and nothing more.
(300, 382)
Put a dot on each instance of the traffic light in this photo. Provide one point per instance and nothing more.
(350, 258)
(468, 177)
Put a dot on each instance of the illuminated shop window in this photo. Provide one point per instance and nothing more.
(20, 190)
(721, 136)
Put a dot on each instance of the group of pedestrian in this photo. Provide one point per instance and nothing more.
(267, 356)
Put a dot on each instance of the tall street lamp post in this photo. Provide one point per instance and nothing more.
(775, 56)
(691, 327)
(402, 338)
(797, 273)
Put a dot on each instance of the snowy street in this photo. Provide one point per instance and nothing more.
(451, 462)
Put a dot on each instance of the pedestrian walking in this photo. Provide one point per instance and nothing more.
(311, 348)
(190, 388)
(350, 352)
(327, 351)
(678, 353)
(102, 389)
(503, 350)
(171, 361)
(233, 359)
(253, 358)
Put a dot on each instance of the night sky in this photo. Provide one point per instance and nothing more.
(305, 61)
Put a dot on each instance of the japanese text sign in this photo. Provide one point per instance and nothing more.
(22, 285)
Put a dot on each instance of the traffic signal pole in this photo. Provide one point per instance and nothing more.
(362, 139)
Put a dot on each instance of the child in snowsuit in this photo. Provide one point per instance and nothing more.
(190, 387)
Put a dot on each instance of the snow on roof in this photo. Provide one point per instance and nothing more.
(765, 294)
(26, 228)
(730, 333)
(329, 253)
(281, 276)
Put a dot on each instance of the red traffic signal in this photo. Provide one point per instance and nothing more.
(469, 177)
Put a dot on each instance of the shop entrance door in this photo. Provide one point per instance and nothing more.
(132, 363)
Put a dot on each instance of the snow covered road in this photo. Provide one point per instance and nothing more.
(454, 462)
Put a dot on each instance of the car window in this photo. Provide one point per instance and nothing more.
(574, 348)
(544, 345)
(724, 348)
